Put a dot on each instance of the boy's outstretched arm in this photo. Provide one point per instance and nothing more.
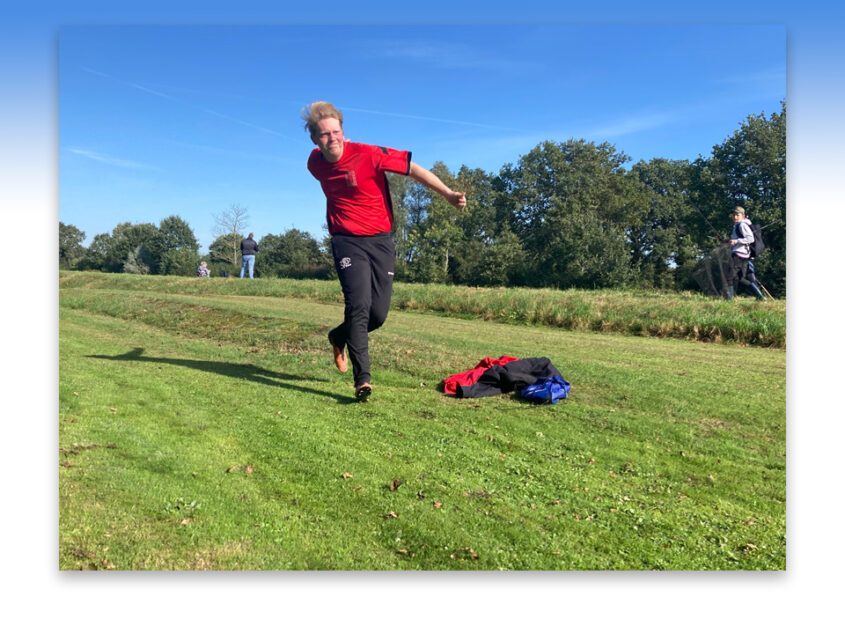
(430, 180)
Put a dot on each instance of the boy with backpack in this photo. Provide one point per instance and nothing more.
(742, 244)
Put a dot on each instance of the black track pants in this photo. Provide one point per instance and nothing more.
(364, 266)
(740, 272)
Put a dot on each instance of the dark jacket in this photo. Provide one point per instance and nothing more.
(512, 376)
(249, 247)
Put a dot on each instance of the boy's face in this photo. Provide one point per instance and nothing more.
(329, 138)
(738, 216)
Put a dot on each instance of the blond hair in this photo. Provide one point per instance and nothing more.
(315, 112)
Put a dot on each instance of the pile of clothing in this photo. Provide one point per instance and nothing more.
(534, 378)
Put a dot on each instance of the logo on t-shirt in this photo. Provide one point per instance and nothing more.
(345, 263)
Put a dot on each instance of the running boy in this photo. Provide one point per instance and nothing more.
(359, 216)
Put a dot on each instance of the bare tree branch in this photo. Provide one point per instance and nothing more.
(230, 224)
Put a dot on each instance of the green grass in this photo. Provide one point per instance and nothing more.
(210, 430)
(675, 315)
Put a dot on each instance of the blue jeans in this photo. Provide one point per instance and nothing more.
(247, 261)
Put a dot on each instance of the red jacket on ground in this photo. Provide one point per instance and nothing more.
(450, 385)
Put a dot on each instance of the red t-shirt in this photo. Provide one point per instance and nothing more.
(357, 195)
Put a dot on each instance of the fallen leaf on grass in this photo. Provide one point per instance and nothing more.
(392, 514)
(66, 464)
(459, 555)
(395, 485)
(185, 521)
(248, 469)
(358, 488)
(346, 476)
(420, 495)
(437, 505)
(234, 467)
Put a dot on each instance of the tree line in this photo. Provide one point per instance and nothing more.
(565, 215)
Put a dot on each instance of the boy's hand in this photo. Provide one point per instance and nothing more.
(457, 199)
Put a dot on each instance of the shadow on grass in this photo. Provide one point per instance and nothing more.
(246, 371)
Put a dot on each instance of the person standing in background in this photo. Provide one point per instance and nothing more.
(249, 248)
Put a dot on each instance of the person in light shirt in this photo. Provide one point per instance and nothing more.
(741, 238)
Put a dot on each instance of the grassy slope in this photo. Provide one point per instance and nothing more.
(676, 315)
(214, 432)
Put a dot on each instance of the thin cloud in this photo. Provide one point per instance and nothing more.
(442, 54)
(153, 92)
(632, 125)
(245, 123)
(164, 95)
(774, 77)
(434, 119)
(111, 160)
(275, 158)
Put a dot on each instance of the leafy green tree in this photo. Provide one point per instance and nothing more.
(436, 236)
(410, 206)
(222, 255)
(70, 245)
(569, 204)
(399, 186)
(754, 160)
(663, 238)
(111, 252)
(488, 251)
(179, 262)
(749, 169)
(175, 248)
(97, 252)
(294, 254)
(137, 261)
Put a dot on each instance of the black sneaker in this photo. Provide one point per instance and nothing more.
(363, 392)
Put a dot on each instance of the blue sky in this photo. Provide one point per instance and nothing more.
(188, 120)
(32, 150)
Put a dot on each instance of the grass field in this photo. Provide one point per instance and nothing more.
(204, 426)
